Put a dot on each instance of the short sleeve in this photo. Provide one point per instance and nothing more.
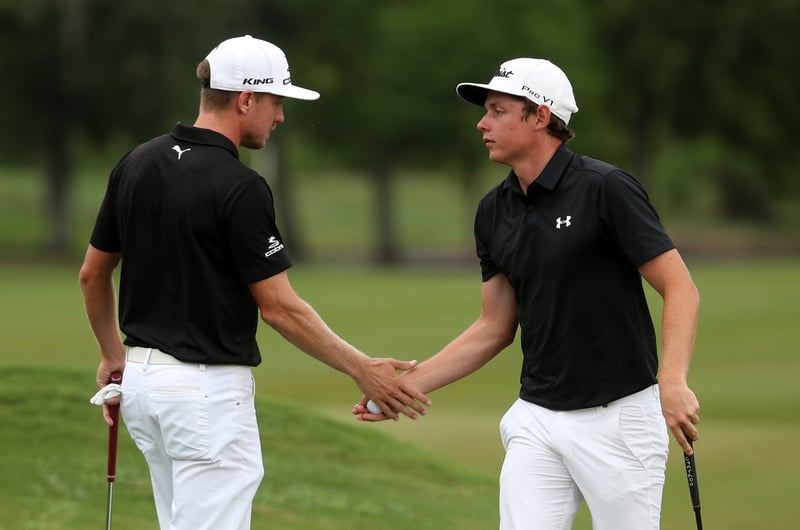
(105, 234)
(630, 219)
(482, 230)
(256, 243)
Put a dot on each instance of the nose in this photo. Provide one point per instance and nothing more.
(482, 126)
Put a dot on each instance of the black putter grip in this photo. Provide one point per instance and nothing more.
(694, 490)
(691, 476)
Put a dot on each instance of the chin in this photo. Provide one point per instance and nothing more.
(254, 143)
(496, 158)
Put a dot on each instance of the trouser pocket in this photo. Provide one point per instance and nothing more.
(182, 414)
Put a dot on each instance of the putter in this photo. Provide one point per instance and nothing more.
(694, 490)
(111, 470)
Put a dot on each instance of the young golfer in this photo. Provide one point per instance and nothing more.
(564, 242)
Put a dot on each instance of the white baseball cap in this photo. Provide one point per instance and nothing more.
(246, 63)
(538, 80)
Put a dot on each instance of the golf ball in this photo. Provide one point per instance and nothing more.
(373, 407)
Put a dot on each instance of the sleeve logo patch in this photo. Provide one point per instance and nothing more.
(274, 246)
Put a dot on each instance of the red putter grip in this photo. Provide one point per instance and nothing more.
(113, 412)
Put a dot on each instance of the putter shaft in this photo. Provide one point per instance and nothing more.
(110, 502)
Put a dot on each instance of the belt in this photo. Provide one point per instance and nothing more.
(137, 354)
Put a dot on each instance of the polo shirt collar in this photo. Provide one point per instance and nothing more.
(550, 176)
(197, 135)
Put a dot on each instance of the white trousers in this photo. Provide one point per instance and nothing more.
(614, 457)
(196, 426)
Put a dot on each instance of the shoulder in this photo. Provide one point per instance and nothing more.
(248, 177)
(143, 148)
(140, 154)
(594, 165)
(593, 168)
(604, 175)
(154, 144)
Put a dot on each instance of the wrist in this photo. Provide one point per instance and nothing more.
(671, 379)
(358, 365)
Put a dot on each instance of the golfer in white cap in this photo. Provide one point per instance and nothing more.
(202, 257)
(564, 242)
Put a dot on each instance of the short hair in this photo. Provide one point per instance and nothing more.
(556, 127)
(211, 98)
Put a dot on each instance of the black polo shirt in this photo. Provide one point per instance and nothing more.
(571, 249)
(195, 226)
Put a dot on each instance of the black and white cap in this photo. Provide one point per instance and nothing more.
(538, 80)
(247, 63)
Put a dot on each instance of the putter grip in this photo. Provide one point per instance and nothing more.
(113, 411)
(691, 476)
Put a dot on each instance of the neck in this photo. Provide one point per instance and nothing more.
(221, 123)
(529, 169)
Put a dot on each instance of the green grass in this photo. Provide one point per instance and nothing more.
(319, 474)
(745, 373)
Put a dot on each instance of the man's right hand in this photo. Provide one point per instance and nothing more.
(395, 395)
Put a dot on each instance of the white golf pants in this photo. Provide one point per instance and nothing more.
(196, 426)
(613, 456)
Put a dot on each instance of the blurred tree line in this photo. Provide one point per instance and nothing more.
(709, 84)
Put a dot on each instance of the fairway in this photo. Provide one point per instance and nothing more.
(745, 374)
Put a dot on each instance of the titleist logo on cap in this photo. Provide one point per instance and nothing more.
(529, 78)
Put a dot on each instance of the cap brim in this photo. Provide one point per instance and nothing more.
(476, 93)
(473, 93)
(295, 92)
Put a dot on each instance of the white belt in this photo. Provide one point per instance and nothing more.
(137, 354)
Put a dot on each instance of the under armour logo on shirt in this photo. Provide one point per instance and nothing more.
(179, 151)
(567, 222)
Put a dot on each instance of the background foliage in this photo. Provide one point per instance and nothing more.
(711, 84)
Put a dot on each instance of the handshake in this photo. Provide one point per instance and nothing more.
(371, 411)
(392, 395)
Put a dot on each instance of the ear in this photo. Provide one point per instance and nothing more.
(244, 101)
(543, 116)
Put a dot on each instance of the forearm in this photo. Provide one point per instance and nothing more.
(678, 331)
(99, 300)
(100, 304)
(494, 329)
(668, 275)
(299, 324)
(679, 323)
(467, 353)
